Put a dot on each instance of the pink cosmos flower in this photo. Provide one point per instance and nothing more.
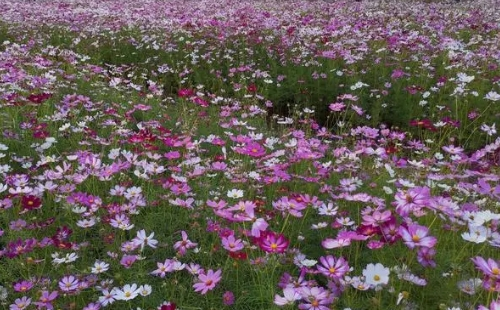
(247, 213)
(207, 282)
(332, 267)
(315, 298)
(163, 268)
(232, 244)
(411, 200)
(336, 106)
(495, 305)
(185, 244)
(128, 260)
(330, 243)
(416, 236)
(290, 205)
(490, 267)
(377, 218)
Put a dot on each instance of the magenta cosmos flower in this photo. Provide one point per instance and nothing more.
(272, 242)
(208, 281)
(417, 236)
(252, 149)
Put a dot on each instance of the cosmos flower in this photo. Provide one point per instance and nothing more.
(20, 303)
(376, 274)
(228, 298)
(185, 244)
(23, 286)
(272, 242)
(490, 267)
(416, 236)
(207, 282)
(128, 292)
(99, 267)
(332, 267)
(68, 283)
(46, 299)
(232, 244)
(411, 200)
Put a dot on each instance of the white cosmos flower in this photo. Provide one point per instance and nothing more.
(493, 96)
(99, 267)
(489, 130)
(235, 193)
(476, 234)
(86, 223)
(141, 239)
(290, 296)
(145, 290)
(128, 292)
(376, 274)
(464, 78)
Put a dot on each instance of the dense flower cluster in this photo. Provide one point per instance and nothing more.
(125, 180)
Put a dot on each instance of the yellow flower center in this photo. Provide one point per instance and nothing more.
(415, 238)
(376, 277)
(332, 270)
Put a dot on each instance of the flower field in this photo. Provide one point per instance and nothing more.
(229, 154)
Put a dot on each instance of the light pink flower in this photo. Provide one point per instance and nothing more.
(207, 282)
(417, 236)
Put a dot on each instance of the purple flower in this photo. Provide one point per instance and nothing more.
(46, 300)
(228, 298)
(425, 256)
(20, 303)
(23, 286)
(68, 283)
